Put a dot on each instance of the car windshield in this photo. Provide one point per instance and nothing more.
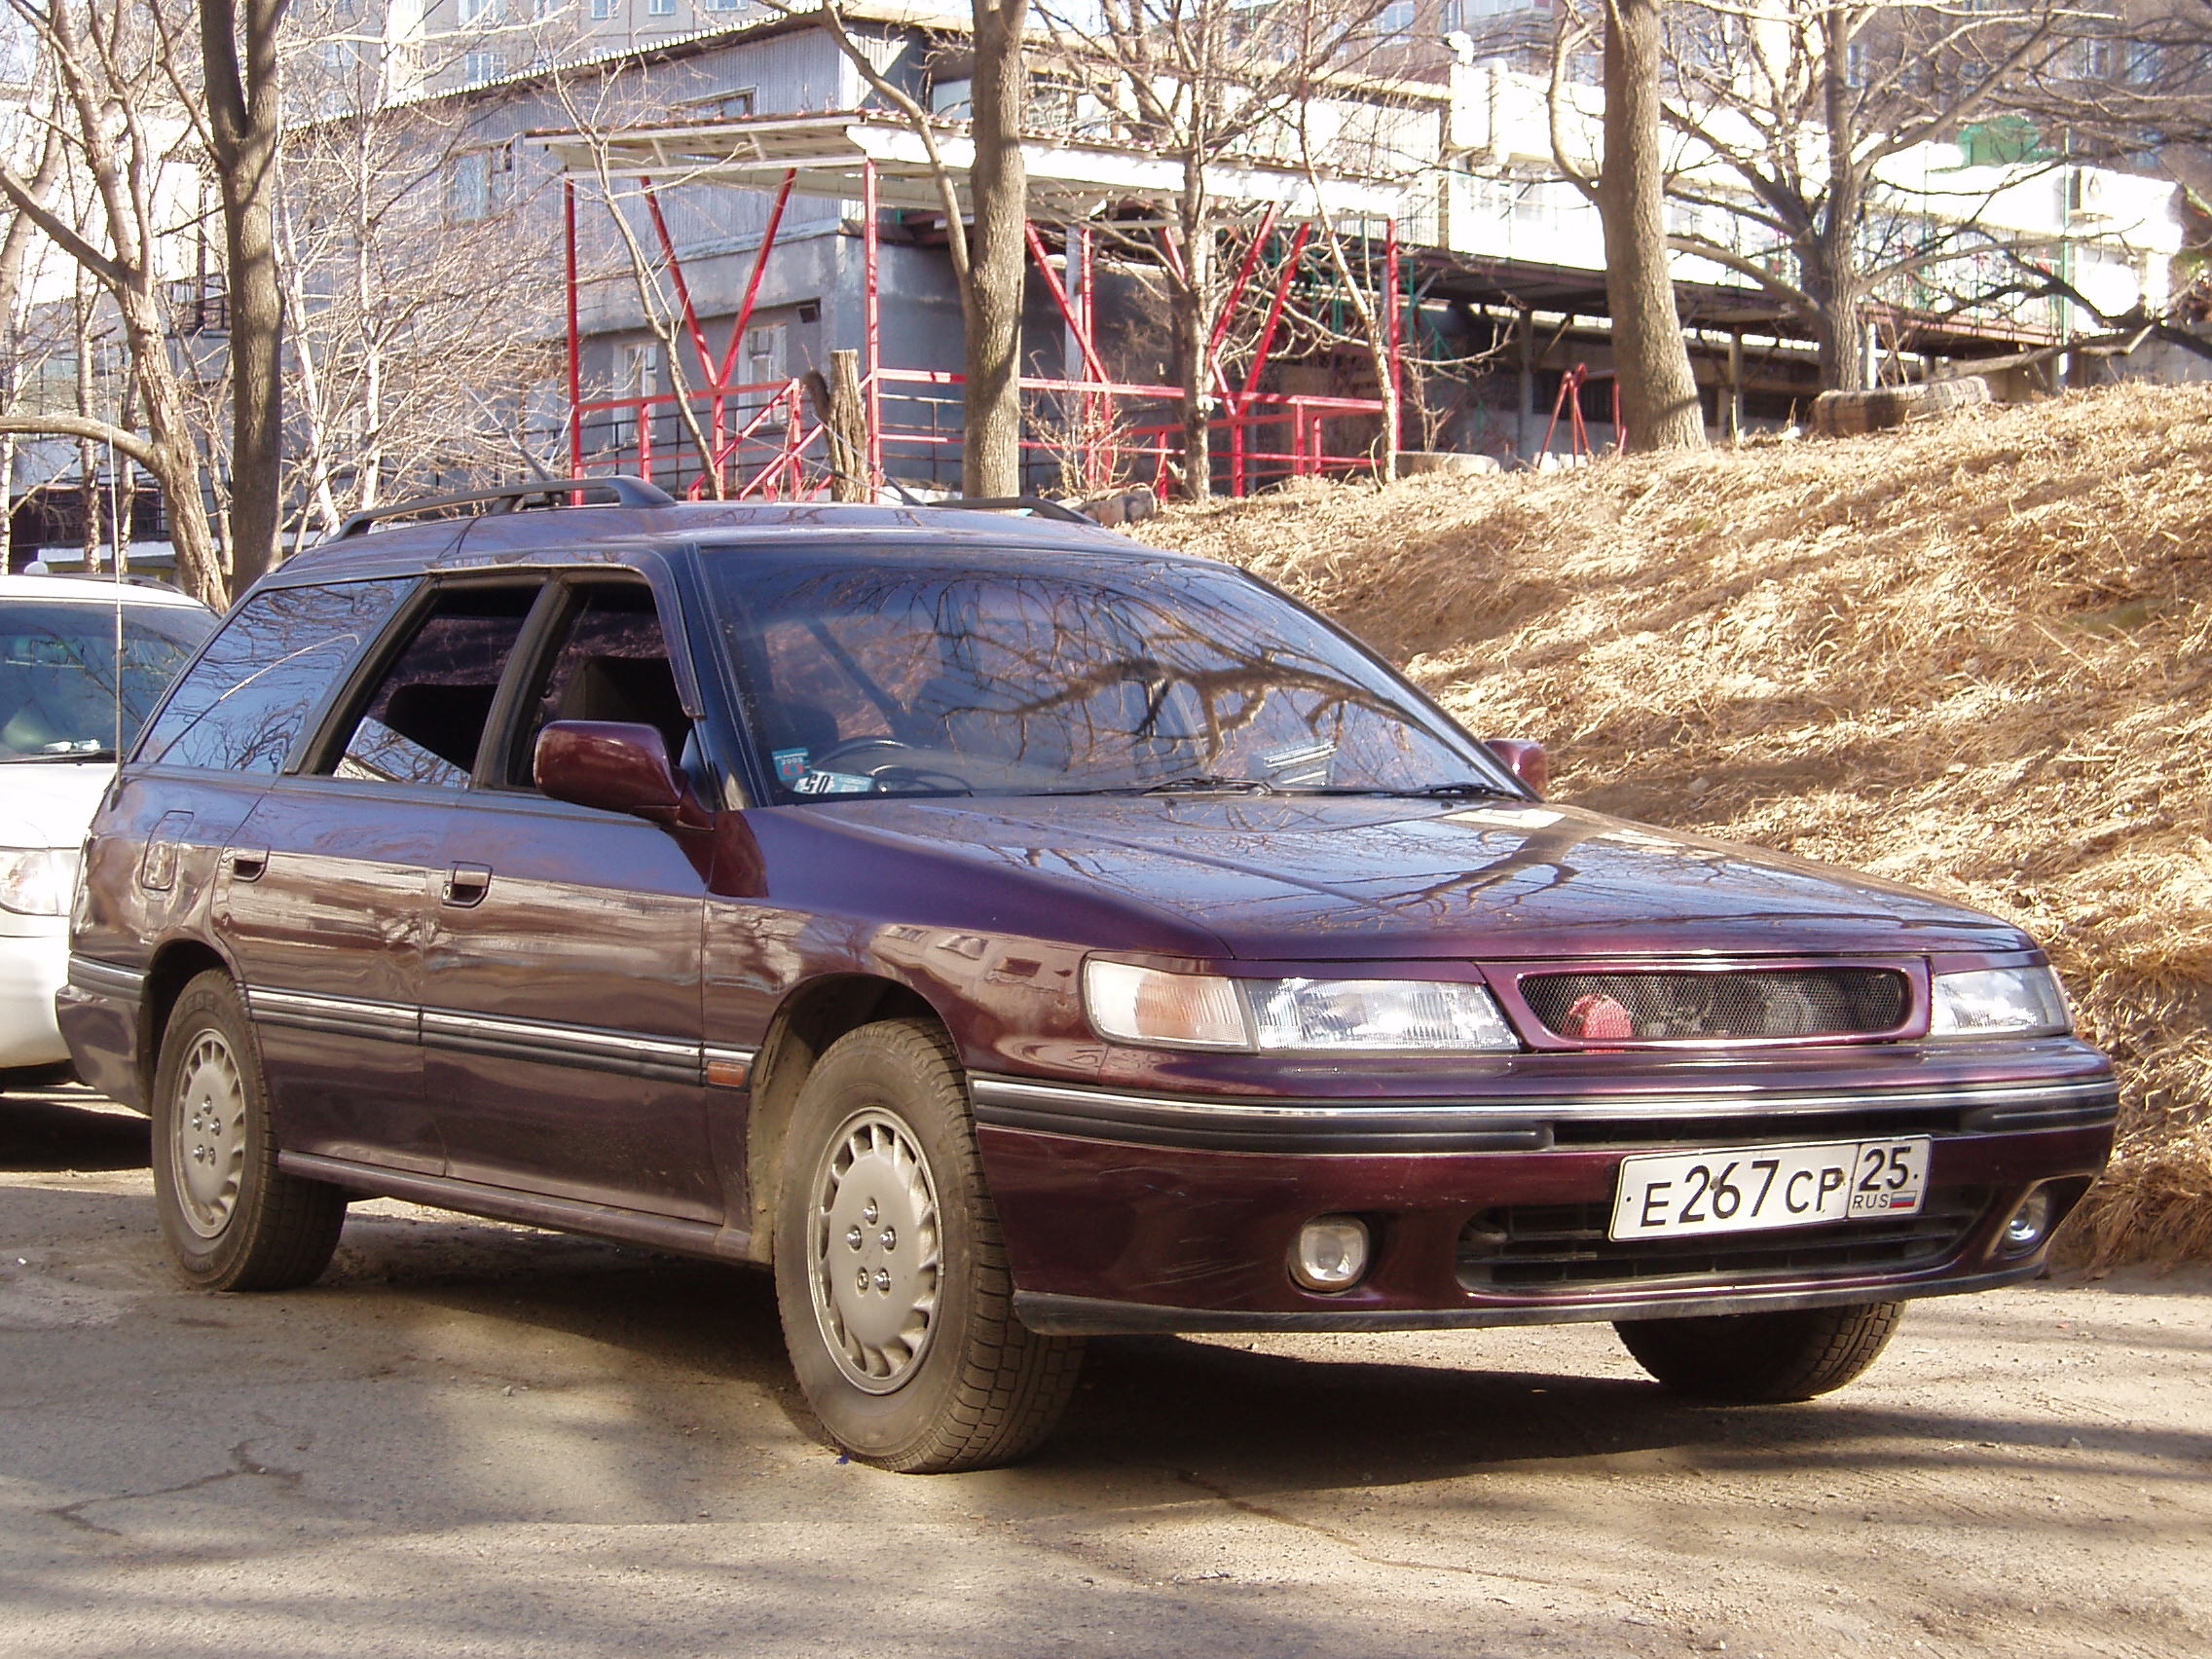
(1131, 675)
(57, 673)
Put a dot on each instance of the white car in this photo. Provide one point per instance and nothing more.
(64, 716)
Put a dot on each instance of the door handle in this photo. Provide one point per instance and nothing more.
(467, 883)
(247, 863)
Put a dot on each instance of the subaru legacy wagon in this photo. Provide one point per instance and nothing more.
(1009, 932)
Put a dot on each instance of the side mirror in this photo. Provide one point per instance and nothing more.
(617, 767)
(1524, 759)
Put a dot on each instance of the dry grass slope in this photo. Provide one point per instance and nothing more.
(1971, 654)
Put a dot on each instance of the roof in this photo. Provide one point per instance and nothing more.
(566, 535)
(1069, 179)
(88, 589)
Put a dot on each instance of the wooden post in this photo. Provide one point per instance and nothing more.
(1735, 417)
(843, 412)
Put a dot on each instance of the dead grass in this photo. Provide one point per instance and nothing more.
(1971, 654)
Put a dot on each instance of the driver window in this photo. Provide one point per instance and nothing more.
(611, 663)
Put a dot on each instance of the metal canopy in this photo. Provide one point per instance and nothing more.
(828, 155)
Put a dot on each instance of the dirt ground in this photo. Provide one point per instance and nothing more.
(478, 1440)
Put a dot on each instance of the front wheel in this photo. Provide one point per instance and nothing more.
(1762, 1359)
(232, 1219)
(891, 1275)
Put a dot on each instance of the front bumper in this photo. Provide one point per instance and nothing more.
(1128, 1211)
(34, 962)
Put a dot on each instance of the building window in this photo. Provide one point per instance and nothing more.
(480, 182)
(1396, 19)
(728, 5)
(478, 67)
(480, 13)
(601, 9)
(661, 8)
(733, 105)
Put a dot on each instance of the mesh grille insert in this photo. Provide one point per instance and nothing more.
(1763, 1001)
(1562, 1247)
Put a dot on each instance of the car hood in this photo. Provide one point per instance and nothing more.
(50, 803)
(1322, 878)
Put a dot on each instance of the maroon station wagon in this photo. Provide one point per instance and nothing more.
(1011, 933)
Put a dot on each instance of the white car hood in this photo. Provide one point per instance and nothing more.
(50, 803)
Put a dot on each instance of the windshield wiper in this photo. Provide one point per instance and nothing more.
(1425, 791)
(1200, 784)
(1205, 783)
(69, 755)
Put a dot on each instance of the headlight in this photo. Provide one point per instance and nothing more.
(1375, 1016)
(34, 881)
(1999, 1002)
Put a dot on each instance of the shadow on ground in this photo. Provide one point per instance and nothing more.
(69, 1128)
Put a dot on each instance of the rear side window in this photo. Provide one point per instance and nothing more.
(424, 718)
(240, 707)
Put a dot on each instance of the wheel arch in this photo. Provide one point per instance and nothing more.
(175, 965)
(810, 1018)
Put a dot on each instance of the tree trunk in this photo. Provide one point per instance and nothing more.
(998, 273)
(1833, 280)
(1193, 334)
(244, 117)
(1660, 408)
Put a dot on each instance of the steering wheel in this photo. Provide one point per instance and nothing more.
(826, 759)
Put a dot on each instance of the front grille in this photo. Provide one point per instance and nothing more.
(1563, 1247)
(1661, 1005)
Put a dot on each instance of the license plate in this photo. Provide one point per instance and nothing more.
(1750, 1188)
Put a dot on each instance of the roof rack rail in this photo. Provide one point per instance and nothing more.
(1014, 503)
(628, 492)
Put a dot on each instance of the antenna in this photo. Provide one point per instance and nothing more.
(114, 576)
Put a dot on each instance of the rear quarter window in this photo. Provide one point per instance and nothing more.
(240, 707)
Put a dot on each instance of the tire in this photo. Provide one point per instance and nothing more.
(939, 1375)
(1762, 1359)
(230, 1218)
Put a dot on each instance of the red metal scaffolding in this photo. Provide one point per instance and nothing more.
(764, 439)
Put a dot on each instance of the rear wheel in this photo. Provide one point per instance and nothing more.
(891, 1275)
(1753, 1358)
(232, 1219)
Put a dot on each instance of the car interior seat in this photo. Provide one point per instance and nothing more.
(448, 720)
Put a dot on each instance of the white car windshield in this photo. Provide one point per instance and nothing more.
(62, 696)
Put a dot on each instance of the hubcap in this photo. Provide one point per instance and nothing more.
(207, 1134)
(872, 1240)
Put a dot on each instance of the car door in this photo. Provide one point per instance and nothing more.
(560, 1017)
(328, 883)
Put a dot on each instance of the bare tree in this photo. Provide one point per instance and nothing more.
(110, 68)
(984, 234)
(407, 254)
(1202, 82)
(1660, 409)
(239, 104)
(1794, 120)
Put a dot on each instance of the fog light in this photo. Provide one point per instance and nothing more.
(2030, 1225)
(1331, 1252)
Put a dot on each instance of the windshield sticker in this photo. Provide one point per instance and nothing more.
(790, 764)
(834, 783)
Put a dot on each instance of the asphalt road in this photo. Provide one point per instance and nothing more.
(479, 1440)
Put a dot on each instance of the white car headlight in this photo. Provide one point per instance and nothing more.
(1375, 1016)
(1999, 1002)
(35, 881)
